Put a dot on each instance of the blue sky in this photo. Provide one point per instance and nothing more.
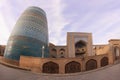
(99, 17)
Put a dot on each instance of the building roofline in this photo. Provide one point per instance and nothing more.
(80, 32)
(114, 40)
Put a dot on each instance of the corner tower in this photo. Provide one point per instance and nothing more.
(29, 36)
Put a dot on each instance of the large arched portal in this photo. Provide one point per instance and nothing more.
(104, 61)
(72, 67)
(50, 67)
(117, 53)
(91, 64)
(80, 48)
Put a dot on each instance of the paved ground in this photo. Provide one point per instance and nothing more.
(110, 73)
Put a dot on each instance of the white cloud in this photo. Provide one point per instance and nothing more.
(107, 21)
(99, 23)
(53, 8)
(7, 21)
(56, 22)
(95, 20)
(4, 33)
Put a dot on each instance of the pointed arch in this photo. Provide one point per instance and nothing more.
(50, 67)
(72, 67)
(104, 61)
(91, 64)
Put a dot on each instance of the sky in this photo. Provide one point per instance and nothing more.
(99, 17)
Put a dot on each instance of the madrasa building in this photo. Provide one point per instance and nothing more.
(28, 47)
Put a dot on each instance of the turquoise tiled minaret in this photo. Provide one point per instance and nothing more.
(29, 36)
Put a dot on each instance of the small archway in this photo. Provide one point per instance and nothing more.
(62, 53)
(117, 53)
(104, 61)
(53, 53)
(72, 67)
(91, 64)
(50, 67)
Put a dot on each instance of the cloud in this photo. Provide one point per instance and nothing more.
(57, 22)
(4, 33)
(4, 22)
(13, 9)
(99, 17)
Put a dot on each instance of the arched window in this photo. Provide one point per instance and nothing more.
(91, 64)
(104, 61)
(62, 53)
(62, 49)
(50, 67)
(72, 67)
(53, 53)
(80, 48)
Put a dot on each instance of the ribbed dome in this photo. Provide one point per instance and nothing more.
(29, 35)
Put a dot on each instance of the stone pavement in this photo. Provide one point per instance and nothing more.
(108, 73)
